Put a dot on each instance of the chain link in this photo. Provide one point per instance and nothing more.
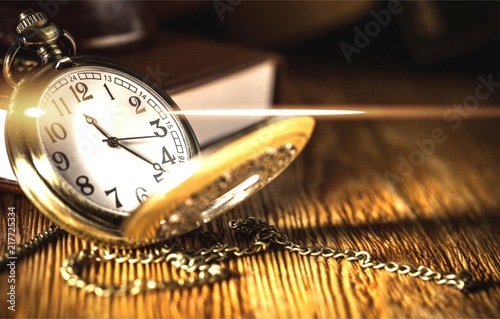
(204, 266)
(462, 280)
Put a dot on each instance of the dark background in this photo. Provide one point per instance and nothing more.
(443, 214)
(431, 52)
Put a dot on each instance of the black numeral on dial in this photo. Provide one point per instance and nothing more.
(157, 177)
(163, 129)
(167, 157)
(61, 159)
(55, 132)
(141, 194)
(64, 110)
(109, 92)
(85, 186)
(80, 91)
(136, 103)
(117, 201)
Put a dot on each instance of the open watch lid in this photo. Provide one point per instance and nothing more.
(221, 177)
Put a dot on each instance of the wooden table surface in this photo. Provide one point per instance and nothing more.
(440, 209)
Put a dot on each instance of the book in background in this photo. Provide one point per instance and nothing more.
(198, 74)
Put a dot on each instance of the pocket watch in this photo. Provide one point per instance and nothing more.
(107, 155)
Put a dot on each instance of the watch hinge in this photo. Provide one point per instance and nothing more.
(63, 63)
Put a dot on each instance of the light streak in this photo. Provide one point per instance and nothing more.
(267, 112)
(344, 112)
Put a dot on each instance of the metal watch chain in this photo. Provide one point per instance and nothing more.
(204, 265)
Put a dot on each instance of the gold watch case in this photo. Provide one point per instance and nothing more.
(39, 180)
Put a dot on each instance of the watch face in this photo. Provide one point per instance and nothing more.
(110, 138)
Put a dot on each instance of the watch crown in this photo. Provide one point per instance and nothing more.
(30, 18)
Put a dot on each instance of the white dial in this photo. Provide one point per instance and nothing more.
(109, 136)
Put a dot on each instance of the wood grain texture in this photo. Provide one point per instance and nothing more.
(444, 214)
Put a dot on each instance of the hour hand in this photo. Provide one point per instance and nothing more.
(93, 121)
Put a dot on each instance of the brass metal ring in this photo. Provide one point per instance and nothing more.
(18, 44)
(9, 60)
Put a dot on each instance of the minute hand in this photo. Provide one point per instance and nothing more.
(129, 138)
(114, 140)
